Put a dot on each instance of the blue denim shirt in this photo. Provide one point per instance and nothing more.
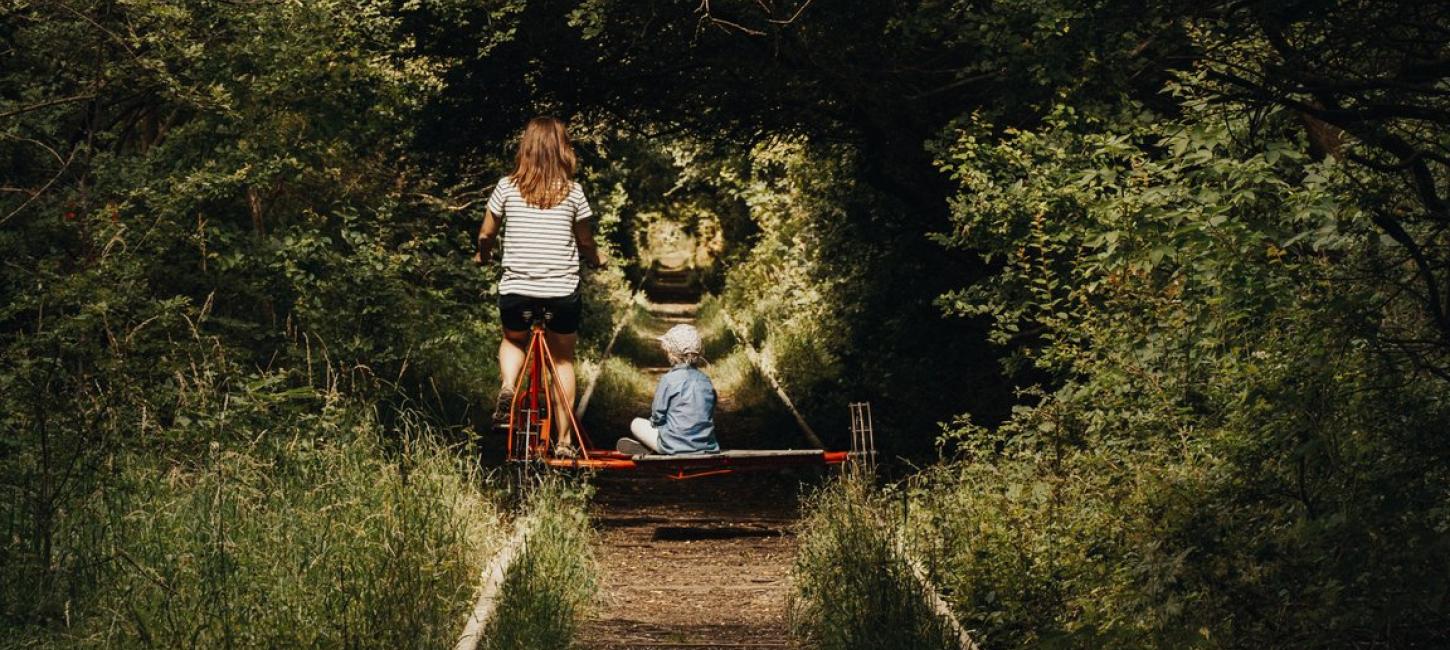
(684, 411)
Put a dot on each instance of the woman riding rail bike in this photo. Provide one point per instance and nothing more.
(544, 219)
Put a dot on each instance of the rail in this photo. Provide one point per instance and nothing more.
(493, 577)
(934, 600)
(497, 569)
(758, 361)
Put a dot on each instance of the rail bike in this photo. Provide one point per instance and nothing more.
(536, 413)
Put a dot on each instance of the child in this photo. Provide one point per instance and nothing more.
(682, 417)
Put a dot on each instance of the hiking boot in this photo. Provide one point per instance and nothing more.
(630, 446)
(501, 408)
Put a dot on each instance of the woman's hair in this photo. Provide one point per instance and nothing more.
(545, 163)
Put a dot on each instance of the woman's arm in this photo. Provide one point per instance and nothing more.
(584, 228)
(487, 238)
(588, 249)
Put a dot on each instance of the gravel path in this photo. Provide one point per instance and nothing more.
(693, 564)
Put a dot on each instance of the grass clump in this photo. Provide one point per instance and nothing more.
(319, 537)
(621, 392)
(1072, 552)
(710, 321)
(549, 585)
(733, 373)
(639, 342)
(853, 588)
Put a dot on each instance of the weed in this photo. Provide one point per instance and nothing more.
(853, 589)
(301, 541)
(548, 586)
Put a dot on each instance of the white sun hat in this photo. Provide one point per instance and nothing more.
(682, 340)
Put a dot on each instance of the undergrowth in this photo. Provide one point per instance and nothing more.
(315, 536)
(710, 321)
(621, 392)
(548, 587)
(853, 589)
(637, 342)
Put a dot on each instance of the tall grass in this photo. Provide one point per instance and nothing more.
(621, 392)
(710, 321)
(853, 590)
(316, 536)
(734, 374)
(548, 587)
(638, 342)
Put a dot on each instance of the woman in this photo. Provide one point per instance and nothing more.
(546, 230)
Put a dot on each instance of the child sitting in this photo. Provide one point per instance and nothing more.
(681, 417)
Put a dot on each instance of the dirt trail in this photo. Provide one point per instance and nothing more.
(692, 564)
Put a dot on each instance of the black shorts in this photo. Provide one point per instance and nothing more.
(561, 315)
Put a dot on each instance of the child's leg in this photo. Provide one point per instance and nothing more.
(646, 434)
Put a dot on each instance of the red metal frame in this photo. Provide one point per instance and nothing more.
(531, 414)
(531, 432)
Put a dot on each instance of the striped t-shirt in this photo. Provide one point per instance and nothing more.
(540, 256)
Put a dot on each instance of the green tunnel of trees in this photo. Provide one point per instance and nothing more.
(1161, 288)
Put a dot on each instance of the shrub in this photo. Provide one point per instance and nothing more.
(853, 588)
(1231, 447)
(547, 587)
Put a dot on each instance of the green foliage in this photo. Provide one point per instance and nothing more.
(835, 290)
(219, 256)
(548, 587)
(305, 536)
(1087, 549)
(853, 588)
(792, 286)
(1227, 454)
(228, 229)
(261, 177)
(622, 392)
(1093, 220)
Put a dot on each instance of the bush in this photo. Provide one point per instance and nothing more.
(1230, 449)
(853, 588)
(1084, 556)
(547, 587)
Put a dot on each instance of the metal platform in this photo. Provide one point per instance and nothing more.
(695, 465)
(730, 454)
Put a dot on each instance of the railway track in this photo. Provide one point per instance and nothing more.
(692, 564)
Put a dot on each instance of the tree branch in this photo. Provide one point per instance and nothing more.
(1433, 303)
(46, 104)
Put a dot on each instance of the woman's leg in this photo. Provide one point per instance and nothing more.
(511, 353)
(561, 346)
(646, 434)
(511, 356)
